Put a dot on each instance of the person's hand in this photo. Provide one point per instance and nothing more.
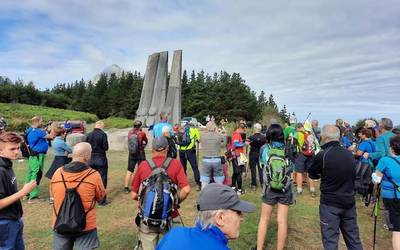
(365, 155)
(28, 187)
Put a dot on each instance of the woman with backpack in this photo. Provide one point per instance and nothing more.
(278, 188)
(388, 172)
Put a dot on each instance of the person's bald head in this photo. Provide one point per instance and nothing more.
(330, 133)
(82, 152)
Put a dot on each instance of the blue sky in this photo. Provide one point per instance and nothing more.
(332, 58)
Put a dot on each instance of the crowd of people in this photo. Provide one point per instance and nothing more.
(283, 161)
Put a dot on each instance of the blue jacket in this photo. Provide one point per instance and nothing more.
(382, 146)
(157, 129)
(194, 238)
(391, 172)
(37, 140)
(60, 147)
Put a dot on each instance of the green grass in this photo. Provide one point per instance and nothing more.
(117, 231)
(18, 115)
(117, 122)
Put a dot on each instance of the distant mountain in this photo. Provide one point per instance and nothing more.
(112, 69)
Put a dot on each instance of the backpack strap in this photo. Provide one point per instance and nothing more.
(151, 163)
(166, 163)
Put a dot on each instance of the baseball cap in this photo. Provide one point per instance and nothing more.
(160, 144)
(217, 196)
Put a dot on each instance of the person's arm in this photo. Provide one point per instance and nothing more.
(380, 170)
(136, 183)
(184, 193)
(67, 148)
(379, 150)
(100, 190)
(144, 140)
(105, 142)
(316, 168)
(7, 201)
(361, 150)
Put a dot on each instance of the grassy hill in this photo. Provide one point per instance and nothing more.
(18, 115)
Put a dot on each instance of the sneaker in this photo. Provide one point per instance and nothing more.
(254, 188)
(313, 194)
(299, 192)
(240, 192)
(198, 188)
(51, 201)
(127, 190)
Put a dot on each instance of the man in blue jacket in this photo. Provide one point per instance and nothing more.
(220, 212)
(157, 129)
(37, 141)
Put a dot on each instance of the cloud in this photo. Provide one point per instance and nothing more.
(331, 58)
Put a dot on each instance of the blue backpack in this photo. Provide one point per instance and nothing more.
(157, 197)
(185, 137)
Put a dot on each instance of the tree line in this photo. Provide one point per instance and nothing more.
(221, 94)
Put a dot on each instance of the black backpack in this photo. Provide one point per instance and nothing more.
(71, 217)
(25, 149)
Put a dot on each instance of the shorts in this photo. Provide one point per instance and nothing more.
(392, 214)
(87, 240)
(133, 160)
(303, 163)
(212, 167)
(272, 197)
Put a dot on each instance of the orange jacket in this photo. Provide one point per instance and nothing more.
(91, 188)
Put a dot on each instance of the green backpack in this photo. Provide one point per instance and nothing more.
(277, 170)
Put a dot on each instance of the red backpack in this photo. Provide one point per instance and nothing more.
(308, 147)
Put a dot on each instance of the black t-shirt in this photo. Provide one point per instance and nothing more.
(256, 142)
(8, 187)
(98, 140)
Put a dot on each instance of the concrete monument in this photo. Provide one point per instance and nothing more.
(159, 94)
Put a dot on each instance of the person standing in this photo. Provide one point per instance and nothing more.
(37, 141)
(278, 188)
(11, 225)
(256, 141)
(136, 153)
(304, 158)
(211, 147)
(337, 210)
(388, 173)
(157, 129)
(99, 142)
(382, 144)
(89, 186)
(316, 129)
(188, 152)
(149, 234)
(237, 164)
(172, 150)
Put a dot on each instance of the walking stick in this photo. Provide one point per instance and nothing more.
(375, 212)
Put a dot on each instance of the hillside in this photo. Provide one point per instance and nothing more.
(18, 115)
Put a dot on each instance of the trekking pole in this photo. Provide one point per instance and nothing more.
(375, 212)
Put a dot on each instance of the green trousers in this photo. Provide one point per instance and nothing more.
(35, 172)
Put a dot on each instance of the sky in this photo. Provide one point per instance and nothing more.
(335, 59)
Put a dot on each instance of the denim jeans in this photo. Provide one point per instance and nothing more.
(11, 234)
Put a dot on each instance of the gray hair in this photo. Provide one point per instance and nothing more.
(330, 133)
(206, 218)
(387, 124)
(257, 127)
(211, 126)
(165, 129)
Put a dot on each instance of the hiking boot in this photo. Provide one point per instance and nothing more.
(198, 188)
(299, 192)
(51, 201)
(254, 188)
(127, 190)
(313, 194)
(104, 203)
